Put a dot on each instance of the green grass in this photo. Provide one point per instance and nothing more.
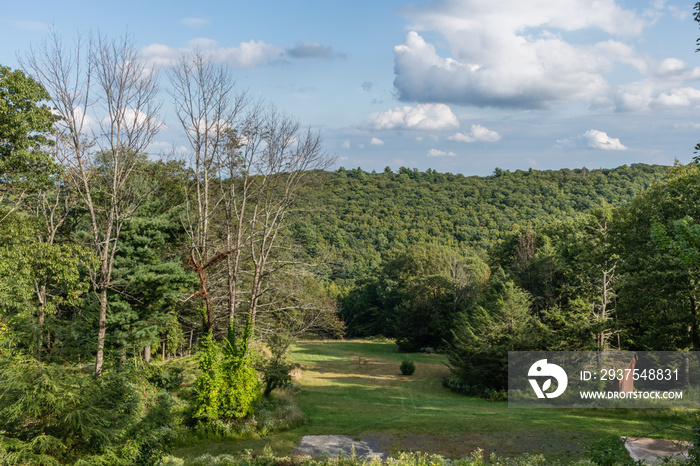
(356, 388)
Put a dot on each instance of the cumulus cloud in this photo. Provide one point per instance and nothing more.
(682, 97)
(194, 22)
(376, 142)
(346, 144)
(594, 139)
(477, 134)
(600, 140)
(440, 153)
(423, 117)
(651, 95)
(510, 53)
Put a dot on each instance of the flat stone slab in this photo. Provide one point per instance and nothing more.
(651, 450)
(333, 445)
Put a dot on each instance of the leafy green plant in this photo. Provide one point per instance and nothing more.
(407, 367)
(57, 414)
(694, 450)
(611, 451)
(165, 377)
(276, 374)
(457, 385)
(228, 386)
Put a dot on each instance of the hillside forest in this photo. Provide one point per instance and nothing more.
(113, 258)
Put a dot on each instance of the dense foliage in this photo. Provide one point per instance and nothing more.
(365, 215)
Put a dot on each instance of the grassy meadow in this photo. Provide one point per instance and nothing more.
(355, 388)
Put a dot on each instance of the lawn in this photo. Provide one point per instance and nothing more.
(355, 388)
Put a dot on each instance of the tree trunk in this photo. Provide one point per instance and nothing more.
(101, 331)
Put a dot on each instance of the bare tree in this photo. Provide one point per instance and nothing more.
(206, 105)
(605, 269)
(248, 163)
(276, 171)
(101, 159)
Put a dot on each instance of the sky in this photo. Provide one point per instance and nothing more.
(461, 86)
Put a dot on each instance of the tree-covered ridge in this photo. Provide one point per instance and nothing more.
(355, 216)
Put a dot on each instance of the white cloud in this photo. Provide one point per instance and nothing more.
(671, 66)
(160, 54)
(477, 134)
(376, 142)
(593, 139)
(649, 95)
(31, 25)
(682, 97)
(161, 147)
(346, 144)
(509, 53)
(440, 153)
(246, 55)
(132, 117)
(423, 117)
(600, 140)
(88, 121)
(194, 22)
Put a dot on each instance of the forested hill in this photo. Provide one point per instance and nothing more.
(353, 216)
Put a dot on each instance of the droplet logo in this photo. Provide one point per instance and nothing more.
(542, 369)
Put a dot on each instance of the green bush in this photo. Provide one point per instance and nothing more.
(276, 374)
(611, 452)
(458, 385)
(694, 450)
(407, 367)
(228, 387)
(269, 415)
(165, 377)
(57, 414)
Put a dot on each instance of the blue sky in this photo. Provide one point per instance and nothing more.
(457, 85)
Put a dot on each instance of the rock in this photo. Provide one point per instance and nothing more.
(333, 445)
(651, 450)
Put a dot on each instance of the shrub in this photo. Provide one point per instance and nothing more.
(56, 414)
(407, 367)
(457, 385)
(228, 386)
(276, 374)
(165, 377)
(269, 415)
(611, 452)
(694, 451)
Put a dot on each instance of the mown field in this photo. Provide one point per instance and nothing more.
(355, 388)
